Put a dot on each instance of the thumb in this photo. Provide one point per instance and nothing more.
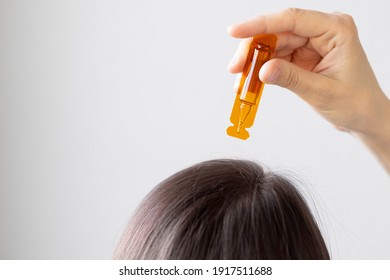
(304, 83)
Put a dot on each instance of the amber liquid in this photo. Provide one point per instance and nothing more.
(250, 87)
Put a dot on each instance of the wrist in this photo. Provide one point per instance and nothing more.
(377, 138)
(377, 121)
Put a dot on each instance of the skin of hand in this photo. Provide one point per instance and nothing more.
(320, 58)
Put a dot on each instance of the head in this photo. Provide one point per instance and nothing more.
(223, 209)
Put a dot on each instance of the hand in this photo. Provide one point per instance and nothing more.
(320, 58)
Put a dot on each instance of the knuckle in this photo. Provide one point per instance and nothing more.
(295, 11)
(348, 19)
(346, 23)
(294, 15)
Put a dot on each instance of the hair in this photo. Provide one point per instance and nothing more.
(223, 209)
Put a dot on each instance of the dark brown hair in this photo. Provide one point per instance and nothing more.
(223, 209)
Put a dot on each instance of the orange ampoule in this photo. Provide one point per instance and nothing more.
(250, 87)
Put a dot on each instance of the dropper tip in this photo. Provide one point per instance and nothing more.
(238, 132)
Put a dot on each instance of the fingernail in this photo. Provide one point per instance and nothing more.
(234, 59)
(235, 86)
(237, 82)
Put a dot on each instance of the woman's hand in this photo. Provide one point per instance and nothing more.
(320, 58)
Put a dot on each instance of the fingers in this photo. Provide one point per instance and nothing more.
(237, 63)
(237, 82)
(289, 41)
(309, 86)
(305, 23)
(285, 45)
(304, 37)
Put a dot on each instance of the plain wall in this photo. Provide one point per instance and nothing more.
(101, 100)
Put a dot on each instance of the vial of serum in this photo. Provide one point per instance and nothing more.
(250, 88)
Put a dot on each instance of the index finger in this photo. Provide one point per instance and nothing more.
(306, 23)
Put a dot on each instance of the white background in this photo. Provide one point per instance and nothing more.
(101, 100)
